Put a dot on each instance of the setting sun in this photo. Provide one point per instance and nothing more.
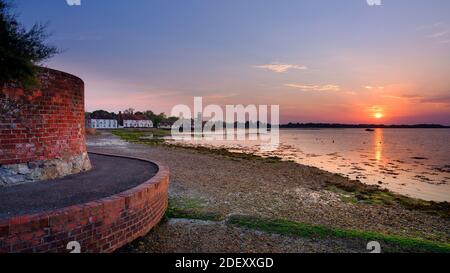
(378, 115)
(320, 127)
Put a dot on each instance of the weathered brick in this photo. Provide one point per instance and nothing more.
(116, 222)
(43, 117)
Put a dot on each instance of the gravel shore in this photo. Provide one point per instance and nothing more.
(194, 236)
(282, 190)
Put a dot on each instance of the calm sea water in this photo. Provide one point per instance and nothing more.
(413, 162)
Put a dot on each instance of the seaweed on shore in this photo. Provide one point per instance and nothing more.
(156, 137)
(195, 209)
(356, 191)
(190, 208)
(231, 155)
(291, 228)
(359, 192)
(147, 136)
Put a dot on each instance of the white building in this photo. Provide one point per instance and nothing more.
(137, 123)
(103, 123)
(104, 120)
(165, 125)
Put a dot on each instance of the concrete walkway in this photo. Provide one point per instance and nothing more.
(109, 176)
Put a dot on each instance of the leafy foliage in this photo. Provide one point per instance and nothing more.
(20, 50)
(156, 119)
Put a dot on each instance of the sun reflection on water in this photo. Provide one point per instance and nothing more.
(378, 147)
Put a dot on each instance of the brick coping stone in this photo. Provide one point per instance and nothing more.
(102, 225)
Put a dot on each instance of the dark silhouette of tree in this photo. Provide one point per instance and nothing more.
(20, 50)
(158, 119)
(129, 111)
(150, 115)
(102, 114)
(172, 120)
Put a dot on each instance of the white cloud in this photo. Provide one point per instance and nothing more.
(438, 34)
(404, 97)
(328, 87)
(281, 68)
(431, 26)
(369, 87)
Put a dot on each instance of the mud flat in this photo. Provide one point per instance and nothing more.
(282, 198)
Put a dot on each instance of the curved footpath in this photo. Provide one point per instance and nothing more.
(118, 201)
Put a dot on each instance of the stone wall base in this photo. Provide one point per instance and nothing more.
(15, 174)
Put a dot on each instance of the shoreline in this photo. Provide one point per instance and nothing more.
(360, 191)
(418, 174)
(214, 185)
(356, 190)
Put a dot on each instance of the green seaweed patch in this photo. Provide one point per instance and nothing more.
(190, 208)
(235, 156)
(128, 135)
(156, 137)
(291, 228)
(347, 197)
(142, 136)
(359, 193)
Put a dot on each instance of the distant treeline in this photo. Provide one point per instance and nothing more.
(328, 125)
(365, 126)
(157, 119)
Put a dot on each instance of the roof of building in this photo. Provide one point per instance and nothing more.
(111, 116)
(166, 123)
(102, 117)
(134, 117)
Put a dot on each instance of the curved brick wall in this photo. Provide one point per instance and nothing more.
(42, 133)
(99, 226)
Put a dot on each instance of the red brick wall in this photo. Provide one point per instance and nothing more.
(43, 123)
(100, 226)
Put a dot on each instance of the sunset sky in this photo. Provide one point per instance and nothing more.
(320, 60)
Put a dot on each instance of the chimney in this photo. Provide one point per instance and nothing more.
(120, 118)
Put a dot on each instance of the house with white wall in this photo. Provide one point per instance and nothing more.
(103, 123)
(102, 120)
(134, 121)
(105, 120)
(137, 123)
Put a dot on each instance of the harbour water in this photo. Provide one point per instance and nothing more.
(413, 162)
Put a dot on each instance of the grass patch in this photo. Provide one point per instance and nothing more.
(231, 155)
(128, 135)
(144, 136)
(188, 208)
(291, 228)
(155, 137)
